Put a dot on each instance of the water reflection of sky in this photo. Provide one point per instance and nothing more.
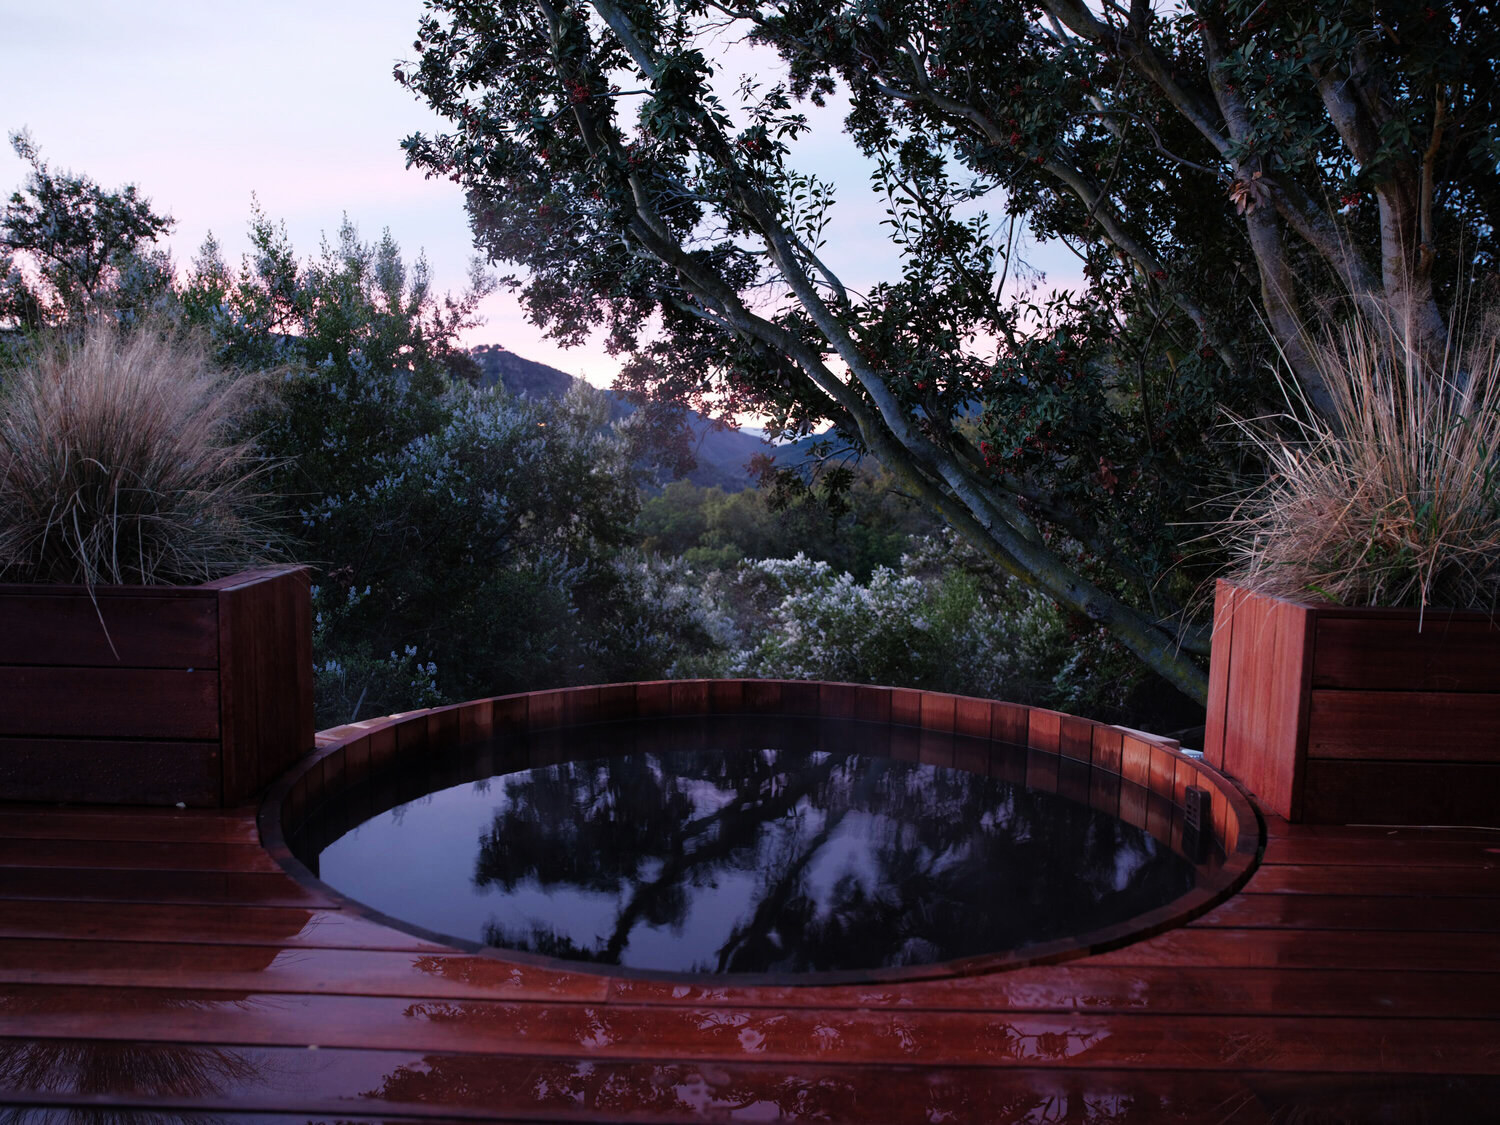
(752, 860)
(403, 862)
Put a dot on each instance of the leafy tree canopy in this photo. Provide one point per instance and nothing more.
(66, 244)
(465, 539)
(1228, 173)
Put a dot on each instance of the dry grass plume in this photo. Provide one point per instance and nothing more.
(1396, 500)
(120, 463)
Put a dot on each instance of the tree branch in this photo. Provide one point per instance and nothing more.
(1148, 60)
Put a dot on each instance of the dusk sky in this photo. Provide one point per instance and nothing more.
(203, 105)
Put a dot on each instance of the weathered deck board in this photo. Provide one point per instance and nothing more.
(1331, 949)
(1192, 990)
(468, 1086)
(155, 966)
(621, 1032)
(105, 885)
(1484, 852)
(1356, 912)
(146, 855)
(186, 826)
(1343, 879)
(201, 923)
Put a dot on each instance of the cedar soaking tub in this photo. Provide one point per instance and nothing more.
(788, 831)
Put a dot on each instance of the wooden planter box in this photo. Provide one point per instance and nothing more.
(195, 694)
(1336, 715)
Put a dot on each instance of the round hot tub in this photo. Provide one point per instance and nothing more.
(766, 829)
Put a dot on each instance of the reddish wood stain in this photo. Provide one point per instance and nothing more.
(1340, 715)
(153, 960)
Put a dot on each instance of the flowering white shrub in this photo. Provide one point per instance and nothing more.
(946, 620)
(896, 628)
(671, 623)
(1055, 658)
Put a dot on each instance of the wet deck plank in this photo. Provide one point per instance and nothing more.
(337, 1083)
(1090, 986)
(158, 965)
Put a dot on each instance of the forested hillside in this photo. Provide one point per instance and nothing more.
(721, 455)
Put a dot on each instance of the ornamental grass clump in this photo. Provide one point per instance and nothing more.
(1394, 500)
(121, 463)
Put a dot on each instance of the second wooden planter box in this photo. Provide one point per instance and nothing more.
(1339, 715)
(154, 695)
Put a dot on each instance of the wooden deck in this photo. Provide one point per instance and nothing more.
(159, 966)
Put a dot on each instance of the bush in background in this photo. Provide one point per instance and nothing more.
(943, 621)
(936, 633)
(670, 620)
(465, 540)
(484, 545)
(350, 678)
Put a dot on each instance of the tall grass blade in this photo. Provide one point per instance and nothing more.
(1393, 501)
(121, 462)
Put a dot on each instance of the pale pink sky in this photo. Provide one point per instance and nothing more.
(203, 104)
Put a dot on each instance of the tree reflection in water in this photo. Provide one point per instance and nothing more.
(773, 860)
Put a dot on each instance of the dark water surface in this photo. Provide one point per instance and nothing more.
(783, 858)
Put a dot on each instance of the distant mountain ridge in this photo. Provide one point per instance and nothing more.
(722, 454)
